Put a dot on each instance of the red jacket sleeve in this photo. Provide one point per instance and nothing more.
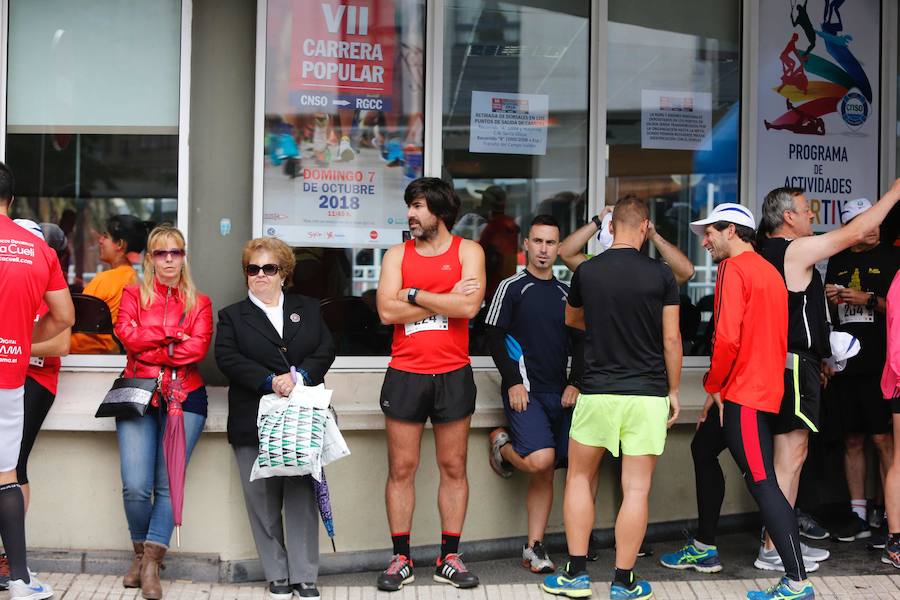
(191, 350)
(729, 304)
(135, 337)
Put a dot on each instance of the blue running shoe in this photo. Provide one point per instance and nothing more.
(562, 583)
(783, 591)
(691, 557)
(640, 590)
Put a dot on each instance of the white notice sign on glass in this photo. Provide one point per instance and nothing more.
(676, 120)
(507, 123)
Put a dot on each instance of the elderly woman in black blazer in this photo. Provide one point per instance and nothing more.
(258, 340)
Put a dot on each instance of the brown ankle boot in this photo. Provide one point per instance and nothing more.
(151, 588)
(132, 578)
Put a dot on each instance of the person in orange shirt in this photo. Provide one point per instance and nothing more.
(124, 235)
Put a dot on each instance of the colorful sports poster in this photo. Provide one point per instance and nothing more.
(344, 125)
(818, 86)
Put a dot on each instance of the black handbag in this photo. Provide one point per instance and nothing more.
(128, 397)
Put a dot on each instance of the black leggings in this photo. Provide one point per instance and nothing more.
(38, 401)
(750, 440)
(708, 444)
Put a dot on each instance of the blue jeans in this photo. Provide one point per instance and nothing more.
(145, 482)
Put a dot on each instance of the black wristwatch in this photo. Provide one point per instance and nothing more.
(872, 302)
(411, 296)
(596, 220)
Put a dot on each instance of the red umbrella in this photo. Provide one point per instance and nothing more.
(174, 447)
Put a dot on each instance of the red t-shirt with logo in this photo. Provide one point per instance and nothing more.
(28, 269)
(44, 370)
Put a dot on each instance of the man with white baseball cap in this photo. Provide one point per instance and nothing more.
(745, 386)
(856, 285)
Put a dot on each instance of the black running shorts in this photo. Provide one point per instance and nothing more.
(860, 404)
(417, 397)
(802, 401)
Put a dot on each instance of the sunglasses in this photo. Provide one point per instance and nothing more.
(269, 269)
(163, 254)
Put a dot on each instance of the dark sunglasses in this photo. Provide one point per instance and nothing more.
(163, 254)
(269, 269)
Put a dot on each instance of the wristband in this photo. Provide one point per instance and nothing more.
(411, 296)
(872, 302)
(596, 220)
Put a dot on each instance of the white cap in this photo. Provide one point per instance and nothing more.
(843, 347)
(30, 226)
(852, 208)
(604, 237)
(729, 212)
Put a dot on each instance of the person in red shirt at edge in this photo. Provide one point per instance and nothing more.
(166, 327)
(430, 287)
(31, 275)
(42, 377)
(746, 377)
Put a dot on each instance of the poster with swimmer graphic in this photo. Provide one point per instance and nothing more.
(343, 119)
(818, 91)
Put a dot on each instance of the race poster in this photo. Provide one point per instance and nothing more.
(344, 124)
(819, 87)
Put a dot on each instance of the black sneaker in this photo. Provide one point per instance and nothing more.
(306, 589)
(593, 548)
(645, 550)
(280, 590)
(856, 529)
(451, 569)
(398, 574)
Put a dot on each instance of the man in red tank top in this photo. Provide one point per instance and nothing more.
(430, 287)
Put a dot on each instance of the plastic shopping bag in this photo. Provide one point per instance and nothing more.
(292, 433)
(334, 446)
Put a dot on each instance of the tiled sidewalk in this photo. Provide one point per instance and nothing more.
(108, 587)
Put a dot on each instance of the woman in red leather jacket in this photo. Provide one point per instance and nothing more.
(166, 326)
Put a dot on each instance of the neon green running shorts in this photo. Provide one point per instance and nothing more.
(638, 423)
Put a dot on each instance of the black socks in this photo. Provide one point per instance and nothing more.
(624, 577)
(449, 543)
(577, 564)
(401, 543)
(12, 530)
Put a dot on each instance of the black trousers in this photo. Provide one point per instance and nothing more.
(750, 440)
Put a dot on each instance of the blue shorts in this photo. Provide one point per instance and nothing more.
(543, 424)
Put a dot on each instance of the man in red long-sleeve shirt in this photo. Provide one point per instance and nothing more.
(745, 383)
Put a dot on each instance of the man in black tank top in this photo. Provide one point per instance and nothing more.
(787, 241)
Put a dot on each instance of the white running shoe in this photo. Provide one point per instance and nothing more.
(536, 560)
(768, 560)
(33, 590)
(814, 554)
(345, 151)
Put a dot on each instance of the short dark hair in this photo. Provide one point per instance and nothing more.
(630, 211)
(746, 234)
(131, 230)
(543, 220)
(440, 198)
(7, 184)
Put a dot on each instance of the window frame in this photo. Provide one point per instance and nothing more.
(100, 362)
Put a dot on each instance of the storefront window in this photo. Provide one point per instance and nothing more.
(344, 135)
(673, 120)
(515, 125)
(92, 122)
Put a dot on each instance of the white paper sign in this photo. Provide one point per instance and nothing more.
(676, 120)
(507, 123)
(818, 99)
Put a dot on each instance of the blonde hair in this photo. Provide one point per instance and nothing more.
(281, 251)
(186, 286)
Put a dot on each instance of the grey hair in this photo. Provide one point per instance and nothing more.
(775, 203)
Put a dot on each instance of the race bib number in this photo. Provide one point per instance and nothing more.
(36, 361)
(855, 313)
(432, 323)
